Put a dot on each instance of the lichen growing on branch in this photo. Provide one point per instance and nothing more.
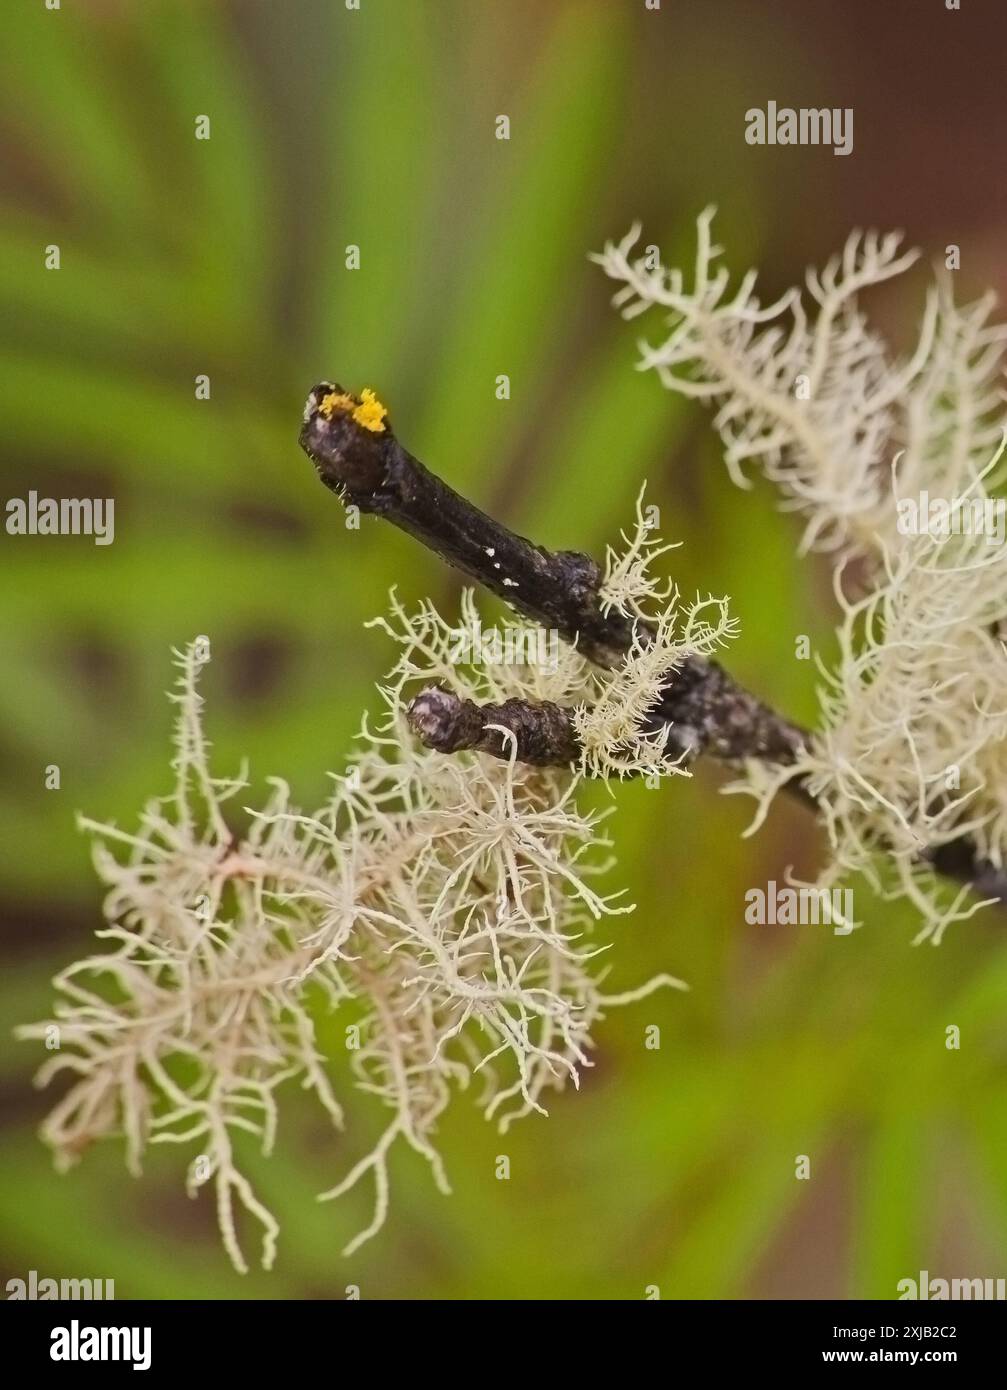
(453, 899)
(893, 464)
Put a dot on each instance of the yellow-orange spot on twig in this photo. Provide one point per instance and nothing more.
(370, 412)
(335, 400)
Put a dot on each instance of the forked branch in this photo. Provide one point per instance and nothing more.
(703, 710)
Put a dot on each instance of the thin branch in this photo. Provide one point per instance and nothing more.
(705, 709)
(357, 455)
(541, 733)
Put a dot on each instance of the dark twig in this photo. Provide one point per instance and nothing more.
(703, 710)
(542, 734)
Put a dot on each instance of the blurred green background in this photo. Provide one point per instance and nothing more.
(375, 127)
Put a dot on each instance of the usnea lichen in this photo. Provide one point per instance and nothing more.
(612, 713)
(911, 753)
(452, 898)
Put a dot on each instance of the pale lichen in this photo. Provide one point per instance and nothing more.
(911, 753)
(450, 899)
